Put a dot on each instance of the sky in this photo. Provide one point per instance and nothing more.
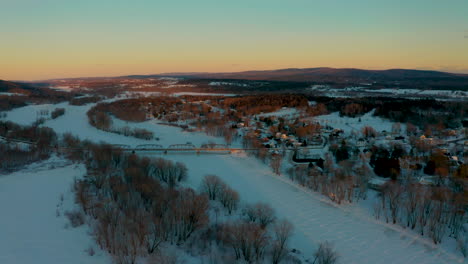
(43, 39)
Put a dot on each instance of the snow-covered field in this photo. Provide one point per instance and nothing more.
(284, 112)
(390, 92)
(149, 94)
(356, 235)
(29, 114)
(30, 230)
(350, 124)
(11, 94)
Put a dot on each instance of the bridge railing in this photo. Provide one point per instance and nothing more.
(214, 146)
(149, 147)
(121, 146)
(181, 147)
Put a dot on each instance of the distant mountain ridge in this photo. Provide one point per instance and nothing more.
(37, 89)
(15, 87)
(325, 74)
(336, 77)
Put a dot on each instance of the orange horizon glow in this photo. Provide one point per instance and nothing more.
(54, 39)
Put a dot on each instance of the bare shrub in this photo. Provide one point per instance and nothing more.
(462, 245)
(57, 112)
(90, 251)
(212, 185)
(282, 232)
(248, 240)
(229, 198)
(217, 189)
(163, 258)
(325, 254)
(260, 213)
(76, 218)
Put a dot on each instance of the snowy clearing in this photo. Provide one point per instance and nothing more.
(31, 231)
(350, 124)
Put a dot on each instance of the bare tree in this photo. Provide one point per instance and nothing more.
(248, 240)
(325, 254)
(212, 185)
(282, 232)
(393, 192)
(276, 160)
(369, 132)
(260, 213)
(229, 198)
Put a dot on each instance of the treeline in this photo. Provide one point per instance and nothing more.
(255, 104)
(15, 155)
(85, 100)
(135, 205)
(420, 112)
(136, 110)
(10, 102)
(57, 112)
(33, 96)
(101, 120)
(434, 211)
(44, 137)
(346, 182)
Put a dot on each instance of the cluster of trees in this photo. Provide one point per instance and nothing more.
(10, 102)
(386, 163)
(134, 205)
(274, 159)
(137, 109)
(43, 137)
(256, 104)
(101, 120)
(353, 110)
(433, 211)
(85, 100)
(345, 182)
(140, 133)
(29, 94)
(217, 190)
(14, 154)
(57, 112)
(317, 109)
(420, 112)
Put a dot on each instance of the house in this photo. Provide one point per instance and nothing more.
(361, 143)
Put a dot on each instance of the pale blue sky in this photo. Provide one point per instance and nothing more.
(51, 37)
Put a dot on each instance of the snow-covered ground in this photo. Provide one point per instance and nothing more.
(350, 124)
(357, 236)
(30, 230)
(29, 114)
(447, 93)
(149, 94)
(390, 92)
(284, 112)
(203, 94)
(64, 88)
(11, 94)
(75, 121)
